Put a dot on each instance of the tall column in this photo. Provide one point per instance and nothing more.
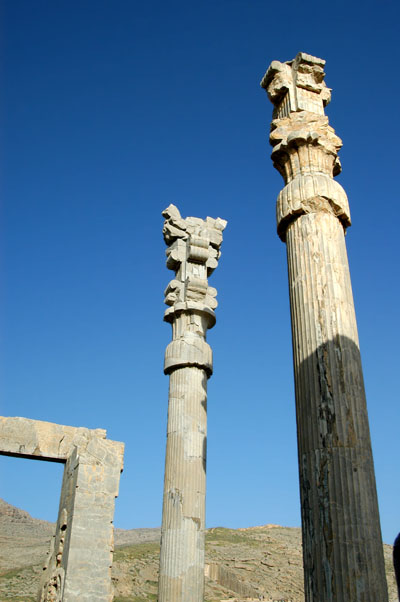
(342, 544)
(193, 252)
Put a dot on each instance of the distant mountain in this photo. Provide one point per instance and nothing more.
(11, 514)
(241, 564)
(21, 526)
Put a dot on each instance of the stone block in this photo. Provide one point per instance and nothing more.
(79, 562)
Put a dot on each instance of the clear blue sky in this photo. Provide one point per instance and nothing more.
(112, 110)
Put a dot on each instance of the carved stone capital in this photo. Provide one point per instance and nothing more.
(192, 239)
(304, 143)
(297, 85)
(188, 351)
(193, 252)
(187, 308)
(310, 193)
(305, 146)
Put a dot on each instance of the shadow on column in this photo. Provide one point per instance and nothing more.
(342, 543)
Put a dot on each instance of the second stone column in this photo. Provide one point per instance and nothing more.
(193, 252)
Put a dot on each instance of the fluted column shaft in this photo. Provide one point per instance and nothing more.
(342, 548)
(182, 553)
(342, 544)
(193, 252)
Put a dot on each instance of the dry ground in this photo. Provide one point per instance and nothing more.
(242, 563)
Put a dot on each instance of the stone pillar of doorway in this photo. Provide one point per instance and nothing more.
(193, 253)
(342, 544)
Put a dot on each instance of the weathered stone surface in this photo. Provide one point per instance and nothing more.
(193, 253)
(79, 562)
(297, 85)
(305, 146)
(342, 546)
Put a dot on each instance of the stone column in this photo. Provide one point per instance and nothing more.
(342, 544)
(193, 252)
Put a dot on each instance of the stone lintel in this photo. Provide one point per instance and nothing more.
(78, 566)
(41, 440)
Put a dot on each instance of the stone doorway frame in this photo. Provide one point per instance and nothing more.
(79, 562)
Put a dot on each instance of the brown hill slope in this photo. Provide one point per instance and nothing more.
(241, 564)
(23, 540)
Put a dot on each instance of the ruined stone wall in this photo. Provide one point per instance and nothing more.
(79, 563)
(227, 578)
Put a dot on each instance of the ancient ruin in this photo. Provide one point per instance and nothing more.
(78, 566)
(193, 252)
(342, 543)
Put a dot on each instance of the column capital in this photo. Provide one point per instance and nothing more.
(305, 146)
(193, 253)
(297, 85)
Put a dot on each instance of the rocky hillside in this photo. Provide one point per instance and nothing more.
(23, 539)
(241, 564)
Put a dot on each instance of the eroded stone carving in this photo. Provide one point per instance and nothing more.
(193, 252)
(297, 85)
(78, 566)
(342, 545)
(305, 146)
(52, 581)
